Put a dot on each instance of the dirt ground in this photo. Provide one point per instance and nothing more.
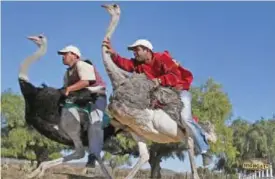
(67, 171)
(16, 171)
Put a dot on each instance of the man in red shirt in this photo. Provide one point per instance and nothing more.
(162, 70)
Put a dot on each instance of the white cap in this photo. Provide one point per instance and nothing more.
(141, 42)
(70, 48)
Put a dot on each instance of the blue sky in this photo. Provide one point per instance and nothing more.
(233, 42)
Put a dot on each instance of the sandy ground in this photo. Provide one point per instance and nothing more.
(15, 171)
(65, 171)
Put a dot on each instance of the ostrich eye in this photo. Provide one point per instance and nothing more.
(40, 36)
(115, 6)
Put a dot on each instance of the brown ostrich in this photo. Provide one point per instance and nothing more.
(131, 106)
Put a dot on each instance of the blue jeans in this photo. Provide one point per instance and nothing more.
(197, 132)
(95, 131)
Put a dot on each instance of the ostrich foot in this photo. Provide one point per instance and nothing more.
(90, 171)
(84, 171)
(195, 176)
(41, 174)
(103, 168)
(44, 166)
(34, 173)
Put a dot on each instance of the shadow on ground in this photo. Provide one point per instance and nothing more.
(73, 176)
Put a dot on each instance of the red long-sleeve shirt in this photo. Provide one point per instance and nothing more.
(162, 66)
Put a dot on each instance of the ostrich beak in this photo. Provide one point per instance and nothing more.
(33, 38)
(104, 6)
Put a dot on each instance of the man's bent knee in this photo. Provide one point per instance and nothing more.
(186, 97)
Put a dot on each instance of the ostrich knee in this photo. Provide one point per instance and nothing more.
(144, 154)
(142, 148)
(79, 149)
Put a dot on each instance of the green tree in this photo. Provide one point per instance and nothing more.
(240, 128)
(115, 161)
(254, 140)
(124, 147)
(270, 131)
(159, 152)
(18, 139)
(211, 103)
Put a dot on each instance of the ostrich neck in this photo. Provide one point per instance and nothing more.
(23, 71)
(115, 74)
(112, 26)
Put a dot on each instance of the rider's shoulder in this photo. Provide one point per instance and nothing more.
(163, 56)
(82, 64)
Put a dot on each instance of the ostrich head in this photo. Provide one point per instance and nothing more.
(113, 9)
(39, 40)
(26, 87)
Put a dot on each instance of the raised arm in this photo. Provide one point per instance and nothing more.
(123, 63)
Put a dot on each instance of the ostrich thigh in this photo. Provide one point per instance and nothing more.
(165, 124)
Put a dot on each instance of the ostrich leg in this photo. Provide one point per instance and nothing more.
(78, 154)
(104, 169)
(143, 155)
(69, 124)
(192, 158)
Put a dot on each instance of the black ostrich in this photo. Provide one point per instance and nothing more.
(43, 107)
